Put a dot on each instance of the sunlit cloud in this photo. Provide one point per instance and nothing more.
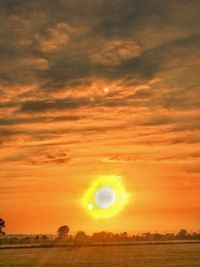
(56, 37)
(115, 52)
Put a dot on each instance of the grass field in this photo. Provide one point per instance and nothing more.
(179, 255)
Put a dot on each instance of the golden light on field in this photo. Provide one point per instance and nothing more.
(106, 197)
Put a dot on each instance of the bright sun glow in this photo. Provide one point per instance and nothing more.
(106, 197)
(106, 90)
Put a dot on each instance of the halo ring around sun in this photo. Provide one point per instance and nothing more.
(106, 197)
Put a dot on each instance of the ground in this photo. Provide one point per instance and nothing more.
(179, 255)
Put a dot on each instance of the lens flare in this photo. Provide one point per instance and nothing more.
(106, 197)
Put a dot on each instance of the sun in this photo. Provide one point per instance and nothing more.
(106, 197)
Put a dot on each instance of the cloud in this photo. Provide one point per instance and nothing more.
(35, 63)
(115, 52)
(47, 105)
(57, 37)
(130, 158)
(58, 157)
(67, 43)
(193, 170)
(29, 120)
(57, 57)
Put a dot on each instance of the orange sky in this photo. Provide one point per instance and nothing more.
(96, 89)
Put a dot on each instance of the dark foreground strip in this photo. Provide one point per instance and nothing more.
(102, 245)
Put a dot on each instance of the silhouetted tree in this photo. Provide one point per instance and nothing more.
(124, 236)
(147, 236)
(157, 236)
(195, 235)
(169, 236)
(26, 239)
(182, 234)
(44, 237)
(2, 225)
(81, 238)
(36, 238)
(62, 233)
(100, 236)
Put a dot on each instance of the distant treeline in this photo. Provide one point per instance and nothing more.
(100, 237)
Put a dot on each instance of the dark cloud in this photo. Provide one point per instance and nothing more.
(70, 104)
(42, 106)
(30, 34)
(16, 121)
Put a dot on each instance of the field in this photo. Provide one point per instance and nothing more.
(176, 255)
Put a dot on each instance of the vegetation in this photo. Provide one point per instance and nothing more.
(62, 233)
(81, 238)
(2, 225)
(49, 254)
